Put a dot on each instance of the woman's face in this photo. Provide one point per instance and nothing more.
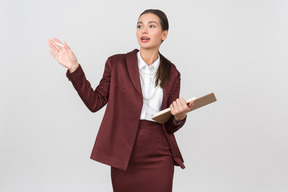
(149, 31)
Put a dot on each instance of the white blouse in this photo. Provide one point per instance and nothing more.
(152, 96)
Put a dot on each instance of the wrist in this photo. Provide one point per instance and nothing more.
(73, 68)
(179, 119)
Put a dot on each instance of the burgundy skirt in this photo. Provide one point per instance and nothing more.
(151, 166)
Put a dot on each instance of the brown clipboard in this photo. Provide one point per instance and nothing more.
(165, 115)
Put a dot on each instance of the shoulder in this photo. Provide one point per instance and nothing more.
(123, 56)
(173, 69)
(117, 58)
(121, 59)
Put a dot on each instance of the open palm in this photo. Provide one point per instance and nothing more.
(63, 55)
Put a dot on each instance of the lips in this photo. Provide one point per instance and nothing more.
(144, 39)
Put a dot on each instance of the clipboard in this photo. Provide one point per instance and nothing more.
(165, 115)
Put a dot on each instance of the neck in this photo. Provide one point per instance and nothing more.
(149, 55)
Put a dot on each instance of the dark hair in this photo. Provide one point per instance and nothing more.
(162, 16)
(163, 72)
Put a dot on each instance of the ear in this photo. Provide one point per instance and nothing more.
(164, 35)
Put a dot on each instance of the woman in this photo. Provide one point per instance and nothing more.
(141, 152)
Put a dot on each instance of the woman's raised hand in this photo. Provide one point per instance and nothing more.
(63, 55)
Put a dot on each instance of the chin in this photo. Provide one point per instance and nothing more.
(148, 47)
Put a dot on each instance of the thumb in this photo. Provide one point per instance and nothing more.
(191, 103)
(65, 45)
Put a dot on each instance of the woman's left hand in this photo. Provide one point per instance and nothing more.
(179, 109)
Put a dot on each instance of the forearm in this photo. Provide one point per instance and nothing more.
(94, 100)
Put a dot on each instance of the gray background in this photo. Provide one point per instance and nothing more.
(237, 49)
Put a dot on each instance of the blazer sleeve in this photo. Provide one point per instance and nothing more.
(93, 99)
(171, 125)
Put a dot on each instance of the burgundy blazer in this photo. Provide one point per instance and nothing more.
(120, 87)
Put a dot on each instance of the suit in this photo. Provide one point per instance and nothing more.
(120, 87)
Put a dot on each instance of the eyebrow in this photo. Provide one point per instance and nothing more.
(140, 22)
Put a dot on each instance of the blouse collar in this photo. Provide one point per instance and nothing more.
(142, 63)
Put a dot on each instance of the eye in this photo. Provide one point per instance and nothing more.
(139, 26)
(152, 26)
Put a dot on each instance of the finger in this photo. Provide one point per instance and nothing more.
(54, 47)
(183, 102)
(179, 104)
(60, 44)
(172, 109)
(53, 54)
(57, 40)
(66, 46)
(175, 106)
(182, 99)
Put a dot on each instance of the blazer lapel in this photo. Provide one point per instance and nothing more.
(133, 70)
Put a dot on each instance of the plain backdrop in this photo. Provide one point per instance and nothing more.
(234, 48)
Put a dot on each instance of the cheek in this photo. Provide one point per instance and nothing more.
(157, 35)
(137, 33)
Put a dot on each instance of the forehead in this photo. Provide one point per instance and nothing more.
(148, 17)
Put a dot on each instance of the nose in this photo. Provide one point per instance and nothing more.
(144, 30)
